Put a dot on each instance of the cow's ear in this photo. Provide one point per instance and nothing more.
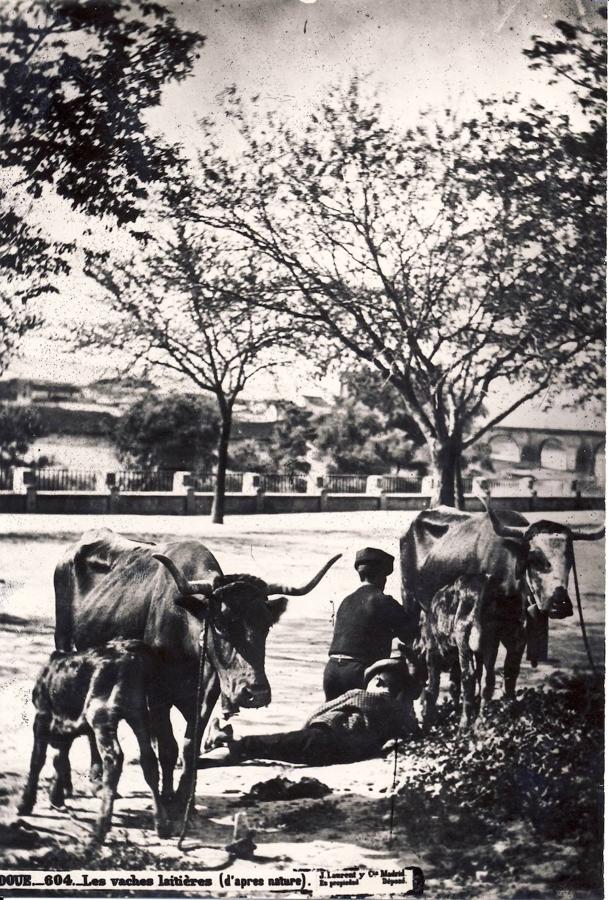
(276, 606)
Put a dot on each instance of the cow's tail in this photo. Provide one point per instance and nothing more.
(475, 635)
(64, 583)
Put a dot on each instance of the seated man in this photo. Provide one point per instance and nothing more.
(351, 727)
(366, 623)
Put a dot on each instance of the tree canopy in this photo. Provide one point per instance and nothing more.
(176, 431)
(76, 79)
(454, 257)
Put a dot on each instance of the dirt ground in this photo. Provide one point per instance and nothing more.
(352, 826)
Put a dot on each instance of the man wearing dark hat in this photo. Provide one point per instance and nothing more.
(366, 623)
(351, 727)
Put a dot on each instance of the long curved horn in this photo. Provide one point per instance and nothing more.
(185, 586)
(587, 535)
(499, 528)
(298, 592)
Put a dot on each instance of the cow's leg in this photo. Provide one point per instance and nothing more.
(514, 644)
(467, 664)
(167, 747)
(96, 767)
(192, 741)
(150, 768)
(455, 683)
(432, 689)
(62, 782)
(104, 727)
(488, 651)
(39, 753)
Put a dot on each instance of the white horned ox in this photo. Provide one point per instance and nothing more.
(108, 587)
(527, 566)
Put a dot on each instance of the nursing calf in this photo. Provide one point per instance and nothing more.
(90, 693)
(460, 633)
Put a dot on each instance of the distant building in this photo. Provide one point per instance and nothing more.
(79, 424)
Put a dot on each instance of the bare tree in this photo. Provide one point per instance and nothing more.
(185, 305)
(450, 257)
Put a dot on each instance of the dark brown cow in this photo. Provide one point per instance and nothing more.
(108, 587)
(528, 566)
(90, 693)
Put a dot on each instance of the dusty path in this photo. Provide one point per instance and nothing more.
(351, 826)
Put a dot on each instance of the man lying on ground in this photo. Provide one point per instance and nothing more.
(351, 727)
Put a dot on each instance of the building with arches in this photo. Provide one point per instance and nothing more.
(561, 443)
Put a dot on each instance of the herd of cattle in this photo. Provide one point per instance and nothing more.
(142, 618)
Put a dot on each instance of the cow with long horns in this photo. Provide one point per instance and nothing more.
(528, 566)
(108, 587)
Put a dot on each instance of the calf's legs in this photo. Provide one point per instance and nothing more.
(39, 753)
(62, 783)
(112, 760)
(150, 768)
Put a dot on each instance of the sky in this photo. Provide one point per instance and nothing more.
(419, 53)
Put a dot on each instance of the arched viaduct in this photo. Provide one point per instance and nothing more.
(582, 452)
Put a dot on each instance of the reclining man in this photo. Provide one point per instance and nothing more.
(351, 727)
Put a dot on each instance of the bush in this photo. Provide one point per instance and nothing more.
(540, 758)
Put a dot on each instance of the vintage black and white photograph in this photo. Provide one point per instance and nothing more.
(302, 448)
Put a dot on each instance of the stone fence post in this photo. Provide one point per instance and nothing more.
(374, 485)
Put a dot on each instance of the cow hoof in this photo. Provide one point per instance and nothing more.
(164, 829)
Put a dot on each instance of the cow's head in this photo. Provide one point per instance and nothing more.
(237, 611)
(544, 557)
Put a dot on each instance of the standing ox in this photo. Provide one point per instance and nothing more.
(108, 587)
(528, 568)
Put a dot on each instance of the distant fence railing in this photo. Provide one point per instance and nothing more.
(280, 483)
(51, 479)
(206, 482)
(396, 484)
(345, 484)
(144, 480)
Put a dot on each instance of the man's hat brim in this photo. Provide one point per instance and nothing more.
(381, 665)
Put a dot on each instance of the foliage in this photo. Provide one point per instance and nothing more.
(539, 762)
(178, 431)
(183, 303)
(357, 440)
(360, 382)
(286, 449)
(19, 428)
(449, 257)
(293, 434)
(76, 80)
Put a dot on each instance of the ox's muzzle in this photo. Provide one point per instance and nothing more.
(254, 696)
(560, 604)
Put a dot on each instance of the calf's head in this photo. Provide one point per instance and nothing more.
(543, 558)
(237, 611)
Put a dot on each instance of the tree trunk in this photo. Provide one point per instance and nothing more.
(217, 509)
(459, 492)
(445, 458)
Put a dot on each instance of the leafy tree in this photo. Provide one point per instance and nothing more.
(285, 450)
(293, 434)
(76, 80)
(183, 304)
(251, 455)
(357, 440)
(451, 258)
(177, 431)
(19, 428)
